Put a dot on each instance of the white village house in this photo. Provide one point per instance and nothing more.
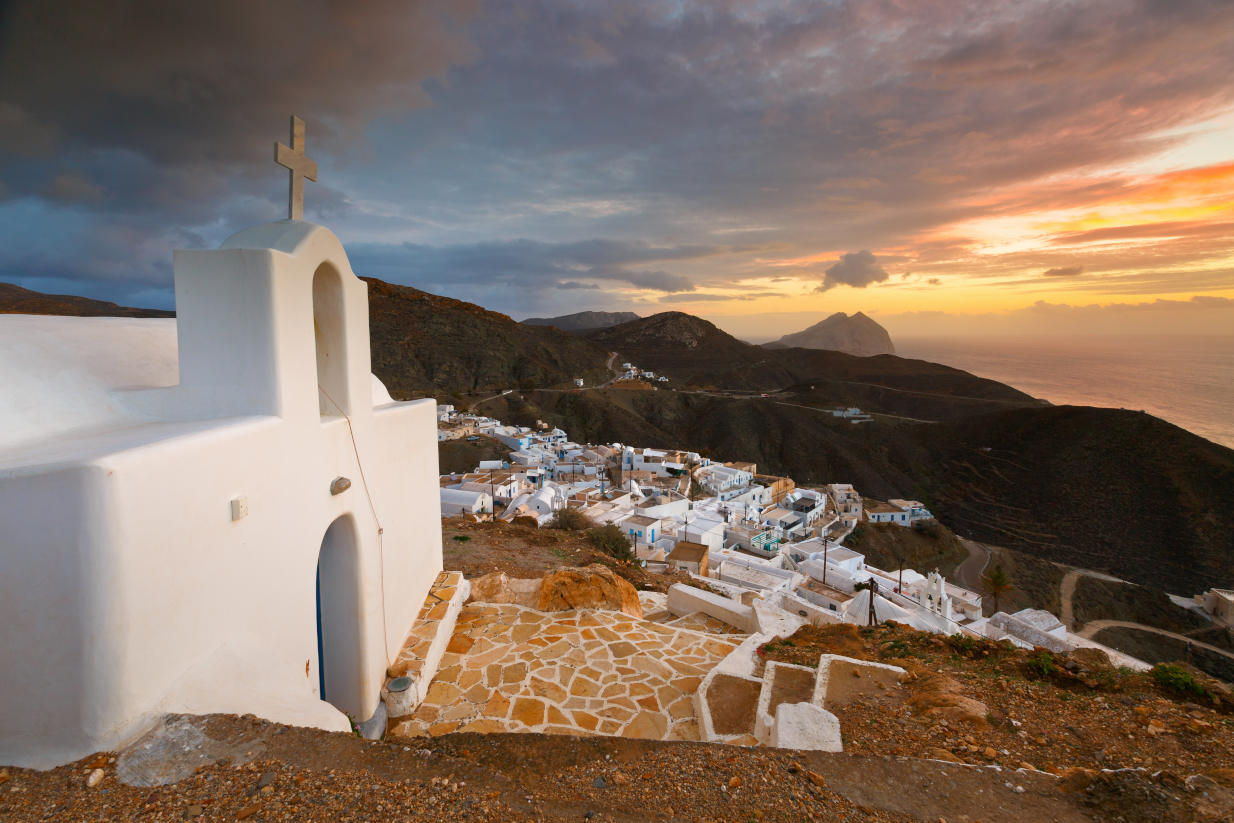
(225, 512)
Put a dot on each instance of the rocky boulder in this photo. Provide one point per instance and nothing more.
(593, 587)
(499, 588)
(937, 696)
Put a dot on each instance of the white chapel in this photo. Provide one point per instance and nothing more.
(224, 512)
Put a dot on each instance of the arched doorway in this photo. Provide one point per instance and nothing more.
(338, 618)
(331, 341)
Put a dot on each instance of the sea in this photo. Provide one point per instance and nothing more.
(1186, 380)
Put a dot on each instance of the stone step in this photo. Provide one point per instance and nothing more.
(428, 640)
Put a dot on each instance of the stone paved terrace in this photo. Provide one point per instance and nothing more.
(514, 669)
(698, 622)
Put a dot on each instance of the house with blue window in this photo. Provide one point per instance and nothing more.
(642, 529)
(887, 513)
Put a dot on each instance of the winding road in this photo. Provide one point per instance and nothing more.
(609, 365)
(1095, 626)
(1067, 592)
(969, 572)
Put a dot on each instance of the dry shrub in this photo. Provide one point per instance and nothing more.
(571, 519)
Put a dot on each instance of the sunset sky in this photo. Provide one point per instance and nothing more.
(946, 167)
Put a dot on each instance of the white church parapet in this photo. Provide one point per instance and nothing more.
(135, 575)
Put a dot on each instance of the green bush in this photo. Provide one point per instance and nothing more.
(1178, 679)
(1041, 665)
(609, 538)
(962, 643)
(571, 519)
(462, 538)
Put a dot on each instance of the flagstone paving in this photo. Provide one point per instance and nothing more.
(698, 622)
(514, 669)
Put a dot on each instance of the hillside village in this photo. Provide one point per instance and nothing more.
(743, 534)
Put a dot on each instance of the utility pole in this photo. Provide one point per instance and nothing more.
(873, 591)
(824, 561)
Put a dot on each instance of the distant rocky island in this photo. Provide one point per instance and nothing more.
(858, 335)
(584, 320)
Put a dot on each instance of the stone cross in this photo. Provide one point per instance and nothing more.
(300, 167)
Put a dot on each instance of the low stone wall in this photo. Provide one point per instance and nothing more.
(683, 600)
(1030, 633)
(816, 614)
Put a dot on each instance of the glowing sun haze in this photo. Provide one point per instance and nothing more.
(1012, 166)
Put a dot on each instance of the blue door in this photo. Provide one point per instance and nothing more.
(321, 669)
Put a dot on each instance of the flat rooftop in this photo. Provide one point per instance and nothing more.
(826, 591)
(753, 577)
(688, 552)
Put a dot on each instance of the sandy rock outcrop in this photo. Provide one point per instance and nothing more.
(592, 587)
(937, 696)
(499, 588)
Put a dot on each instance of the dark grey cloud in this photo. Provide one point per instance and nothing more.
(455, 128)
(149, 117)
(857, 269)
(1064, 271)
(529, 265)
(658, 281)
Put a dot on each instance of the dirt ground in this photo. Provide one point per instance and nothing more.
(526, 552)
(285, 773)
(1054, 723)
(931, 546)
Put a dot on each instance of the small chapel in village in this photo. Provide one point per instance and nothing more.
(224, 512)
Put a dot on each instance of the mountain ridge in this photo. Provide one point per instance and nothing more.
(17, 300)
(584, 320)
(700, 354)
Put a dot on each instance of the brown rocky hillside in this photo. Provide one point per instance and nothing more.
(1117, 491)
(422, 343)
(16, 300)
